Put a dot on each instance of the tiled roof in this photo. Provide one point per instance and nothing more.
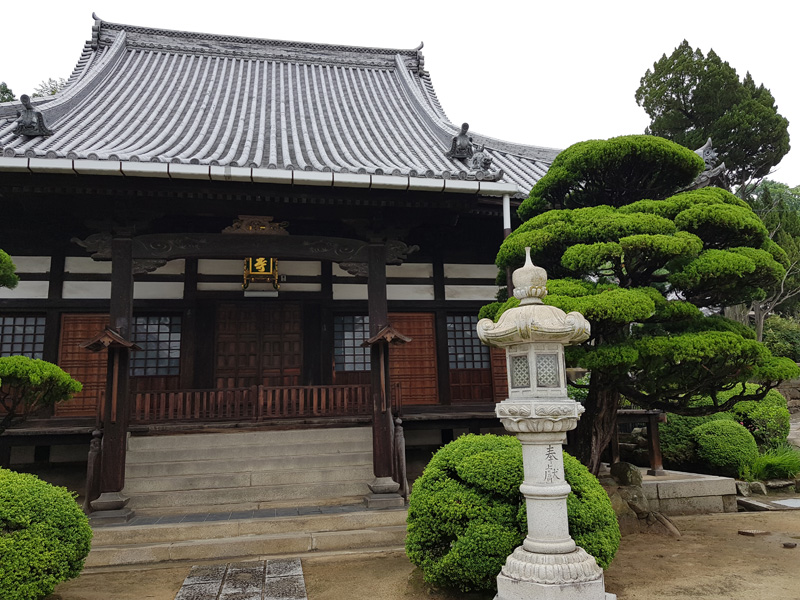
(150, 95)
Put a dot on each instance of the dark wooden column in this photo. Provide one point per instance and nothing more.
(116, 408)
(383, 484)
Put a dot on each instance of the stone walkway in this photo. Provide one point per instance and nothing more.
(273, 579)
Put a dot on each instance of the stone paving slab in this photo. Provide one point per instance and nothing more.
(272, 579)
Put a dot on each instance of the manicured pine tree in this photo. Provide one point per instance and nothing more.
(650, 267)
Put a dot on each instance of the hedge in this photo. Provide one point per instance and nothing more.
(466, 514)
(44, 536)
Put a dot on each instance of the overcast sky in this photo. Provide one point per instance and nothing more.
(541, 73)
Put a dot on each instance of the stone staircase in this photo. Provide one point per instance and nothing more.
(246, 470)
(358, 531)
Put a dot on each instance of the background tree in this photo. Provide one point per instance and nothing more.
(49, 87)
(6, 95)
(28, 385)
(777, 204)
(640, 262)
(8, 277)
(690, 97)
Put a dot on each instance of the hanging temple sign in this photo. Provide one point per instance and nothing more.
(474, 157)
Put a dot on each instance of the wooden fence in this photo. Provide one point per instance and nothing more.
(255, 403)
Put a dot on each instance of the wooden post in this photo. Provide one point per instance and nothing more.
(383, 486)
(654, 441)
(116, 411)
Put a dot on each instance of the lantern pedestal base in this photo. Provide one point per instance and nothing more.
(534, 576)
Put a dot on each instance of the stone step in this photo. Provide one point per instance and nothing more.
(209, 530)
(251, 546)
(242, 465)
(250, 438)
(200, 452)
(220, 479)
(257, 495)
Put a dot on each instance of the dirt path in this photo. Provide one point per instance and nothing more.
(710, 562)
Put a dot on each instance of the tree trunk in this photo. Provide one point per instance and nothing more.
(759, 318)
(598, 424)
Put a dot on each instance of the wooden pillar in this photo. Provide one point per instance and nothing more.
(116, 409)
(382, 458)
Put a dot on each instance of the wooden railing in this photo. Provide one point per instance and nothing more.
(255, 403)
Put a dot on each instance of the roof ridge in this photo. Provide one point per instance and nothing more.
(412, 52)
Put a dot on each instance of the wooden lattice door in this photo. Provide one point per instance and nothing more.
(258, 344)
(413, 365)
(87, 367)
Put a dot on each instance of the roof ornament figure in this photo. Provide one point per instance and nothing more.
(30, 121)
(461, 146)
(713, 174)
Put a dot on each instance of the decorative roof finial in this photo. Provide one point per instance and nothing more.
(713, 174)
(30, 121)
(530, 281)
(461, 145)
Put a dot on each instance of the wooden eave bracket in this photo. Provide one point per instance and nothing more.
(387, 335)
(109, 338)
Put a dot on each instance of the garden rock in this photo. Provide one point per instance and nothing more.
(636, 500)
(779, 484)
(743, 488)
(626, 474)
(756, 487)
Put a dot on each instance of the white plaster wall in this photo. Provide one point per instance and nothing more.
(84, 264)
(349, 291)
(26, 289)
(301, 287)
(157, 290)
(219, 286)
(470, 271)
(305, 268)
(31, 264)
(340, 272)
(86, 289)
(214, 266)
(409, 292)
(410, 270)
(470, 292)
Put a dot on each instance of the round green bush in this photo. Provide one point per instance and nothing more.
(725, 446)
(44, 536)
(767, 420)
(678, 448)
(466, 514)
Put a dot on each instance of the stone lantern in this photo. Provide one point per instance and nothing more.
(548, 565)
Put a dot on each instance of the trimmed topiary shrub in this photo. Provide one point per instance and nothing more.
(678, 447)
(466, 514)
(725, 446)
(767, 420)
(44, 536)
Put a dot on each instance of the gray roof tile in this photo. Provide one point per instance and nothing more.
(150, 95)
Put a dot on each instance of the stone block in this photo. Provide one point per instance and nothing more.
(150, 534)
(134, 555)
(384, 501)
(242, 546)
(512, 589)
(291, 587)
(281, 567)
(691, 506)
(701, 486)
(729, 504)
(354, 540)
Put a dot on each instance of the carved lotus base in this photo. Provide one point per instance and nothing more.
(530, 576)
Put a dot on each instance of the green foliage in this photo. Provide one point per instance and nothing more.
(466, 514)
(725, 446)
(782, 337)
(678, 448)
(640, 259)
(6, 95)
(49, 87)
(489, 311)
(30, 384)
(781, 462)
(8, 277)
(690, 97)
(44, 536)
(613, 172)
(767, 420)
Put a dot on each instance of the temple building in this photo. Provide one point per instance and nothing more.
(249, 230)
